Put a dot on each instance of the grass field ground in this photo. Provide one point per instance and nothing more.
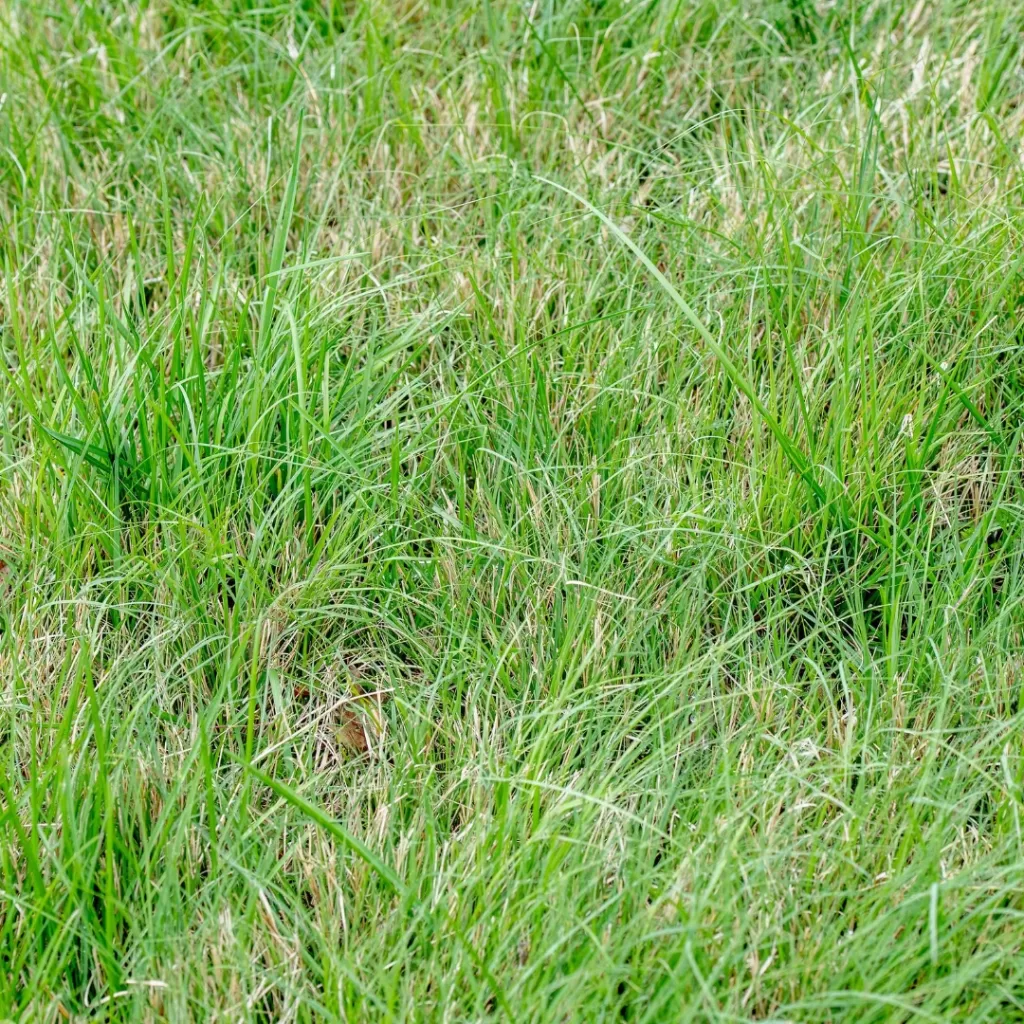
(511, 510)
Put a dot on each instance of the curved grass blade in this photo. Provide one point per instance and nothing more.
(383, 870)
(326, 822)
(796, 457)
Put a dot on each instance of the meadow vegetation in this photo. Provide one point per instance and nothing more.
(511, 510)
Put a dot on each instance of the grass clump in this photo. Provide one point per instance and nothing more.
(511, 511)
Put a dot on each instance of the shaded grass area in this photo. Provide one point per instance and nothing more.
(511, 511)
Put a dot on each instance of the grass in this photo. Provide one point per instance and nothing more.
(511, 511)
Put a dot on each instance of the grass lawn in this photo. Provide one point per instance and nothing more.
(511, 510)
